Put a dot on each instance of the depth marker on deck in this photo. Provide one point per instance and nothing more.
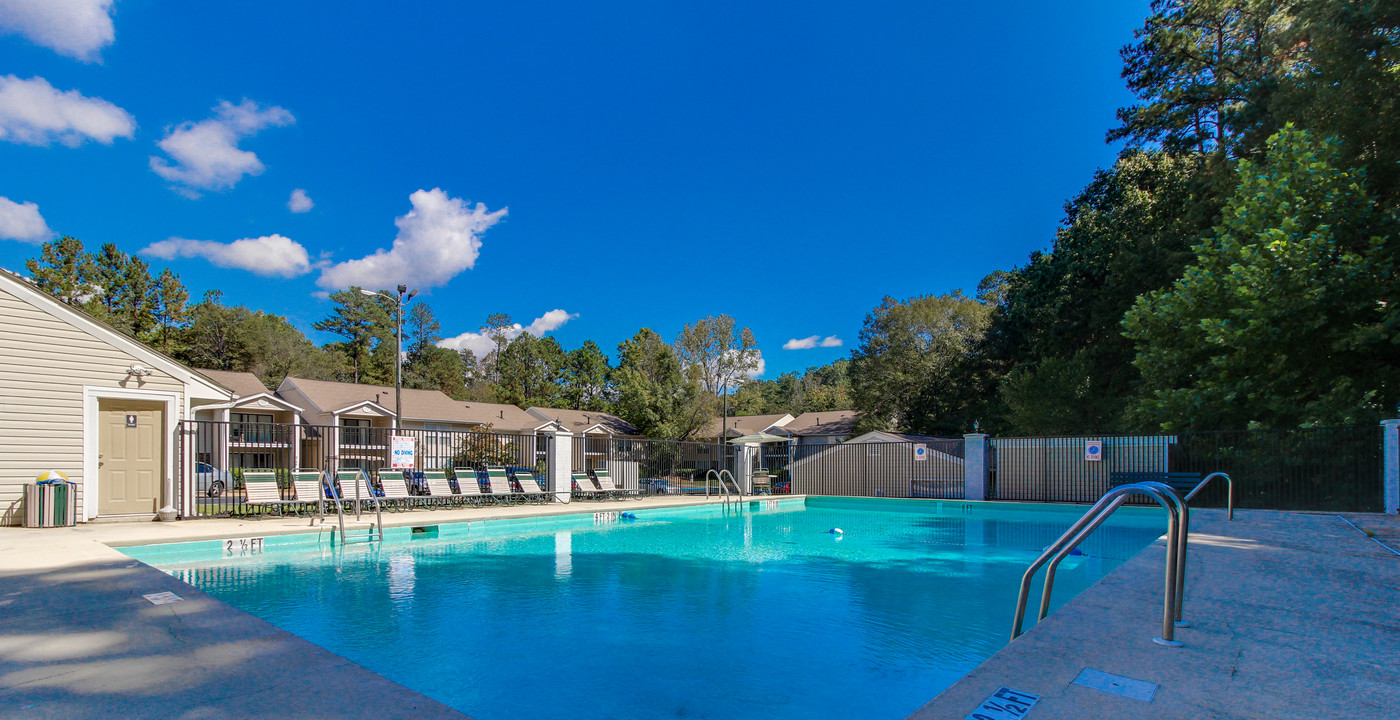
(1004, 704)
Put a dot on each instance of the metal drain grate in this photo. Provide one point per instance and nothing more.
(1117, 684)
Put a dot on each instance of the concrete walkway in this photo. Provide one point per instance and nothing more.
(1294, 615)
(78, 639)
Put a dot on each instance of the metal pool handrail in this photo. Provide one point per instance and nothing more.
(1229, 489)
(738, 489)
(1086, 524)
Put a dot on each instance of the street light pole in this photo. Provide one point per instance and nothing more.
(398, 354)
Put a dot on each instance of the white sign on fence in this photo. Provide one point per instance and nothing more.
(920, 452)
(401, 449)
(1093, 450)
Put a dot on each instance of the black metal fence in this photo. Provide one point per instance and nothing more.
(1337, 468)
(656, 467)
(928, 469)
(213, 456)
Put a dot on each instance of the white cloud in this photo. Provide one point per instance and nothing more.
(481, 344)
(206, 153)
(76, 28)
(300, 202)
(759, 364)
(269, 256)
(437, 240)
(814, 341)
(34, 112)
(22, 221)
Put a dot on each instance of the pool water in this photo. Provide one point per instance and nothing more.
(681, 613)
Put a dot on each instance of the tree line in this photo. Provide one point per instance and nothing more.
(1235, 268)
(669, 390)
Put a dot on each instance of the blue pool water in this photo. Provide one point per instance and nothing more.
(681, 613)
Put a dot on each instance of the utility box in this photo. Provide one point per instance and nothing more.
(51, 505)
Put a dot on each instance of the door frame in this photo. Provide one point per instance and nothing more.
(91, 396)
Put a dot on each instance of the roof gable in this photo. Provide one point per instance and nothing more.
(197, 386)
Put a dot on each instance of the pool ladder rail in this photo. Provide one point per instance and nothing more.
(725, 493)
(1178, 532)
(370, 534)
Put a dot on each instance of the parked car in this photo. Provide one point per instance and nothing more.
(211, 481)
(656, 486)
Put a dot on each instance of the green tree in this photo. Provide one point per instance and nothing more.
(586, 379)
(216, 339)
(530, 371)
(911, 369)
(360, 320)
(169, 306)
(720, 356)
(1129, 232)
(1288, 315)
(436, 368)
(421, 328)
(654, 394)
(64, 270)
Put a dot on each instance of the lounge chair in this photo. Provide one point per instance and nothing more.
(439, 489)
(395, 489)
(468, 486)
(606, 484)
(260, 489)
(500, 485)
(351, 478)
(306, 483)
(584, 487)
(531, 487)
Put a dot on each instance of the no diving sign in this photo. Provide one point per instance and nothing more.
(1093, 450)
(920, 452)
(401, 449)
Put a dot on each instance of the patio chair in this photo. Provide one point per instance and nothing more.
(395, 489)
(584, 487)
(531, 487)
(349, 479)
(306, 483)
(439, 489)
(467, 485)
(762, 483)
(260, 490)
(500, 485)
(606, 484)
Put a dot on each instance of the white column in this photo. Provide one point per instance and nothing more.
(975, 466)
(746, 461)
(1390, 468)
(561, 464)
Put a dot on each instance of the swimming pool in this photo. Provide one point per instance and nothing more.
(683, 612)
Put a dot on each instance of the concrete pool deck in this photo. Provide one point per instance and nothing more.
(1294, 615)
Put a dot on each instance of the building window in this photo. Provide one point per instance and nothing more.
(355, 432)
(252, 428)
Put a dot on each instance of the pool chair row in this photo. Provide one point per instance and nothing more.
(465, 486)
(599, 485)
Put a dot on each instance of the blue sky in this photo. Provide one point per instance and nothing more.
(609, 166)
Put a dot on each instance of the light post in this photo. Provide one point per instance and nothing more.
(398, 354)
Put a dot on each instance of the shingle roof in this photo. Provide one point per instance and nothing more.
(576, 421)
(246, 384)
(829, 422)
(745, 424)
(429, 405)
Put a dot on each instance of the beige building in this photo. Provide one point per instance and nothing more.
(822, 428)
(78, 396)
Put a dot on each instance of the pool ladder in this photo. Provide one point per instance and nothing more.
(370, 534)
(1178, 531)
(727, 496)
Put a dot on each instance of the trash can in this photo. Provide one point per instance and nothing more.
(52, 504)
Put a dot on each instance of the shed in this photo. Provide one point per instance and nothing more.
(78, 396)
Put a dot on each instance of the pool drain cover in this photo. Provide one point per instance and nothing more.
(1117, 684)
(163, 598)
